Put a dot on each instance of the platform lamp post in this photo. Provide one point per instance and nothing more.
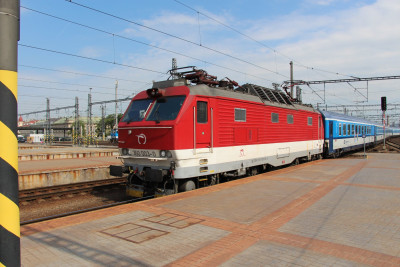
(10, 251)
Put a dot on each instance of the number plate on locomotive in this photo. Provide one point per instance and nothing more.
(143, 153)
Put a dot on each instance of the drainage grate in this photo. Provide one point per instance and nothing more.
(133, 232)
(173, 220)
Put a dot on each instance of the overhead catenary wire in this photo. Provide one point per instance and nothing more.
(89, 58)
(44, 96)
(60, 89)
(143, 43)
(175, 36)
(74, 84)
(82, 73)
(258, 42)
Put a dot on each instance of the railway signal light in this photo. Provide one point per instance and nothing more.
(383, 103)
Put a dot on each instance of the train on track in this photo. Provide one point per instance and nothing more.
(193, 130)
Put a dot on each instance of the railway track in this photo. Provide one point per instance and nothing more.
(62, 190)
(393, 144)
(395, 141)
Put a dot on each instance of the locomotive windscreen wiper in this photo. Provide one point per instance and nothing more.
(156, 114)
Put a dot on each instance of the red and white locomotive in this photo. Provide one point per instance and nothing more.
(195, 130)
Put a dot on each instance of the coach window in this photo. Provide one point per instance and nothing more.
(309, 121)
(344, 128)
(202, 112)
(340, 129)
(290, 119)
(275, 117)
(348, 129)
(240, 114)
(352, 129)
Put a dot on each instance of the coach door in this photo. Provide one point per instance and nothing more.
(203, 125)
(330, 137)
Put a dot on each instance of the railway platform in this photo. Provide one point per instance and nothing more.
(41, 166)
(334, 212)
(27, 153)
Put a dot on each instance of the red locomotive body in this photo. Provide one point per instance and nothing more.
(179, 135)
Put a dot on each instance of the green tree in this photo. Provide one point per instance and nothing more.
(109, 122)
(82, 125)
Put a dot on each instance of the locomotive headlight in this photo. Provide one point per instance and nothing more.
(125, 151)
(165, 154)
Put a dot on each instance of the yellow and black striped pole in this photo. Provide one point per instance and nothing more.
(10, 251)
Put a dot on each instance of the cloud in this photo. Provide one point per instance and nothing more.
(361, 41)
(321, 2)
(92, 52)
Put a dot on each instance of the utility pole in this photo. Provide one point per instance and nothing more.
(10, 251)
(103, 124)
(384, 107)
(291, 79)
(89, 119)
(173, 70)
(48, 123)
(77, 132)
(116, 106)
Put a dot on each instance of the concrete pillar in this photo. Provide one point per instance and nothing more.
(10, 254)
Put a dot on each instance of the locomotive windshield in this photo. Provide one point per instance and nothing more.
(166, 108)
(137, 110)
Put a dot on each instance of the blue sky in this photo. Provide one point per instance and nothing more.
(350, 37)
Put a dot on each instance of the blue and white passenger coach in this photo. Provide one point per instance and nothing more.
(344, 133)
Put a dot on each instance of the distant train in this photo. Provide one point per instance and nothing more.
(345, 133)
(194, 131)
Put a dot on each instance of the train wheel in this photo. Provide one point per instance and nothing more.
(253, 171)
(295, 162)
(187, 186)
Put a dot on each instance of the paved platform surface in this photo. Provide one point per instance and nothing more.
(339, 212)
(51, 166)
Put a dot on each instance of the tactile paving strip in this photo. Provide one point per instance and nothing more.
(173, 220)
(133, 232)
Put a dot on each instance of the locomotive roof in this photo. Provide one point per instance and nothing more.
(247, 92)
(202, 89)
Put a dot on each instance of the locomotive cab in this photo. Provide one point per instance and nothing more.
(147, 140)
